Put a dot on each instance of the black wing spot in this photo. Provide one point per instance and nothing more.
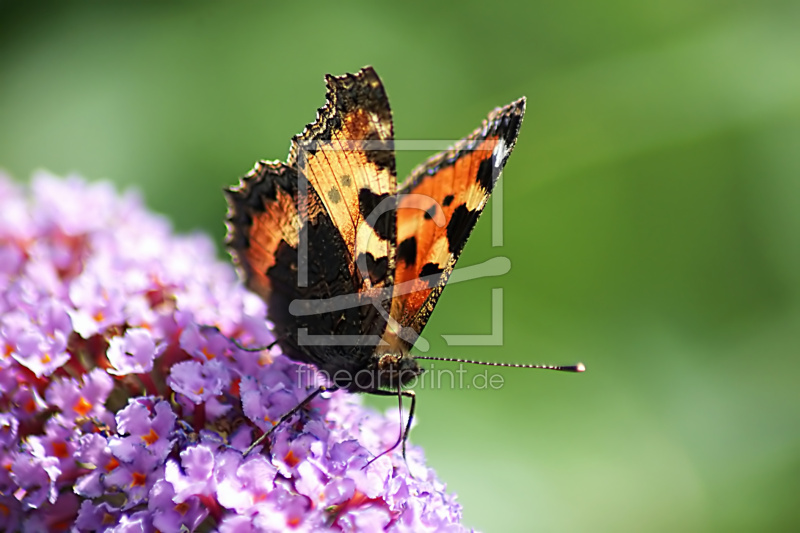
(459, 227)
(380, 151)
(334, 196)
(431, 269)
(430, 212)
(384, 225)
(486, 174)
(448, 200)
(407, 251)
(376, 268)
(345, 180)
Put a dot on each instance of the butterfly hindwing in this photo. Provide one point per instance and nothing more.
(262, 219)
(438, 206)
(265, 229)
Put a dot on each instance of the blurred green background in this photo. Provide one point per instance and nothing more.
(652, 216)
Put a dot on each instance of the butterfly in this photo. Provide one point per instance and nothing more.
(350, 263)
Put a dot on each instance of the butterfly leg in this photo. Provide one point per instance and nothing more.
(404, 434)
(236, 342)
(288, 415)
(258, 349)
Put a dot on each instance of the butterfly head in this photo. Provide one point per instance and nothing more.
(397, 368)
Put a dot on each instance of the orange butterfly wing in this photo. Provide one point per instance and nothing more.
(347, 156)
(438, 206)
(303, 234)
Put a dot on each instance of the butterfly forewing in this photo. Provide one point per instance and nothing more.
(438, 206)
(347, 156)
(303, 234)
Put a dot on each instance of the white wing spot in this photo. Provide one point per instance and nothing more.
(499, 153)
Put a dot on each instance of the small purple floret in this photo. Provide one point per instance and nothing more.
(133, 353)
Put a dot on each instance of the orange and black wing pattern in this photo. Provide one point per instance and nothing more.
(321, 228)
(347, 156)
(350, 266)
(438, 206)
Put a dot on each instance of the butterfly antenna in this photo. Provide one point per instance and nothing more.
(563, 368)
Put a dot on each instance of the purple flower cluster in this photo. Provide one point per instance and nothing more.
(121, 411)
